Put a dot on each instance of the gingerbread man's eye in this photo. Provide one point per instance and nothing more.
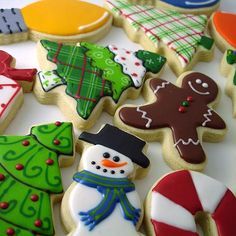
(198, 81)
(205, 85)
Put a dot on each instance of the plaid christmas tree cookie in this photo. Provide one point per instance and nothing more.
(181, 37)
(89, 77)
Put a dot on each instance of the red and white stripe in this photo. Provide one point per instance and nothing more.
(177, 197)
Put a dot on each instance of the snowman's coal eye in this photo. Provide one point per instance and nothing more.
(116, 158)
(106, 154)
(198, 81)
(205, 85)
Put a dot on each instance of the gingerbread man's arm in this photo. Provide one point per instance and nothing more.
(187, 143)
(212, 120)
(159, 85)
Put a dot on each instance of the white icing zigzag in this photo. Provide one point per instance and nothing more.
(163, 85)
(206, 115)
(144, 116)
(186, 143)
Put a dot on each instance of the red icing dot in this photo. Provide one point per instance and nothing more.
(1, 87)
(49, 162)
(137, 63)
(10, 231)
(38, 223)
(56, 142)
(123, 58)
(189, 98)
(114, 48)
(2, 177)
(19, 167)
(58, 123)
(54, 60)
(182, 109)
(34, 197)
(3, 105)
(25, 143)
(4, 205)
(134, 74)
(128, 52)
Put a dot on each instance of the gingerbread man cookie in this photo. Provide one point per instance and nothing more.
(85, 79)
(30, 178)
(103, 200)
(183, 198)
(182, 38)
(61, 20)
(179, 117)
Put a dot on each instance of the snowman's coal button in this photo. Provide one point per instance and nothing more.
(106, 155)
(116, 159)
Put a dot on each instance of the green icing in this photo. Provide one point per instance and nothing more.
(231, 57)
(234, 79)
(151, 61)
(22, 211)
(47, 134)
(206, 42)
(90, 73)
(103, 59)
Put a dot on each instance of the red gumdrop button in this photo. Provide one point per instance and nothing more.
(57, 142)
(34, 197)
(38, 223)
(10, 231)
(4, 205)
(25, 143)
(182, 109)
(2, 177)
(58, 123)
(19, 167)
(49, 162)
(189, 98)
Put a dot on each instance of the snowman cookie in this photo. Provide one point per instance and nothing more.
(183, 43)
(184, 6)
(183, 198)
(180, 117)
(103, 200)
(12, 84)
(30, 178)
(61, 20)
(85, 79)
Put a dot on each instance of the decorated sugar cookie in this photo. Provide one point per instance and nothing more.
(30, 175)
(223, 30)
(183, 43)
(228, 69)
(184, 6)
(103, 200)
(181, 117)
(181, 198)
(85, 79)
(61, 20)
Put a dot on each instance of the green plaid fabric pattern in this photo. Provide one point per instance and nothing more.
(180, 32)
(84, 81)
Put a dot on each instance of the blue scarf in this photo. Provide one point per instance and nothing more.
(113, 191)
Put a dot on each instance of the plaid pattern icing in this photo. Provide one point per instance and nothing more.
(180, 32)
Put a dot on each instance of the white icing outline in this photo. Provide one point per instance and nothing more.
(187, 143)
(199, 3)
(195, 90)
(163, 85)
(206, 115)
(144, 116)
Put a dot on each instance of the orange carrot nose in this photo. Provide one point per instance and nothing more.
(111, 164)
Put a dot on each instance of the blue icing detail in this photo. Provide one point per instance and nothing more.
(191, 4)
(11, 21)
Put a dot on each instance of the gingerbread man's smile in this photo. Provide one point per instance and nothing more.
(204, 85)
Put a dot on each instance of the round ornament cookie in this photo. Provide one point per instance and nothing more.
(30, 178)
(103, 200)
(60, 20)
(181, 38)
(86, 79)
(180, 200)
(180, 117)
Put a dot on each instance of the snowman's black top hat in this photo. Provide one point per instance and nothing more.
(122, 142)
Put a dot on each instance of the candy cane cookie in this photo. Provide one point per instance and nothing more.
(183, 198)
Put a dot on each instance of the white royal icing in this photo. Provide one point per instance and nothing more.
(132, 65)
(163, 85)
(210, 191)
(144, 116)
(206, 116)
(166, 211)
(197, 91)
(189, 141)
